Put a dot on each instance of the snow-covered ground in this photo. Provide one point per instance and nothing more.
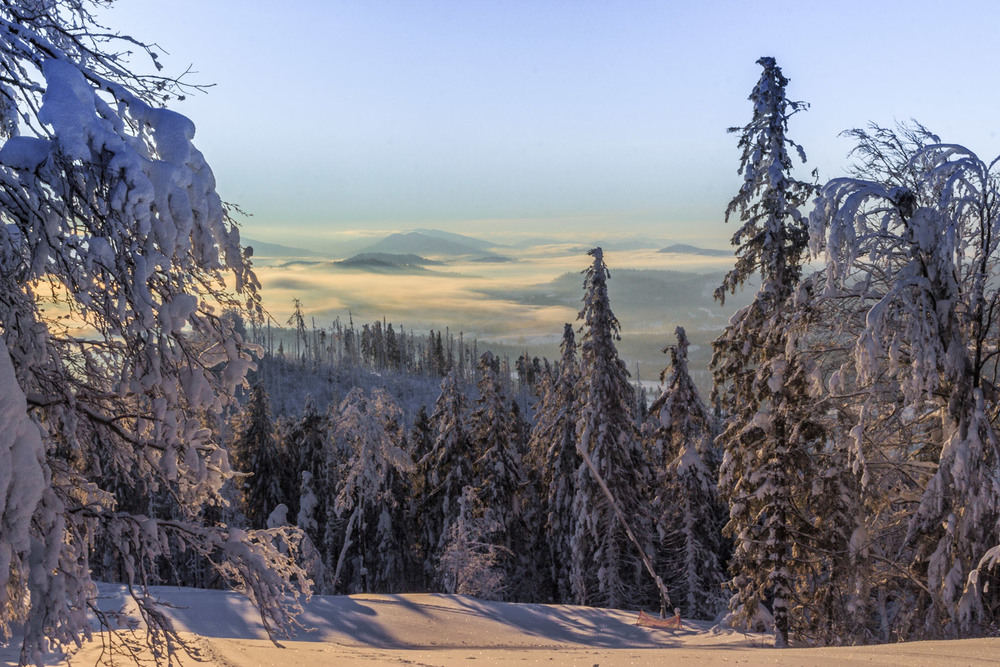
(424, 629)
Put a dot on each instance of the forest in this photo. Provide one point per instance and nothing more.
(841, 484)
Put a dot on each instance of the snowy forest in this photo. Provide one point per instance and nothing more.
(841, 485)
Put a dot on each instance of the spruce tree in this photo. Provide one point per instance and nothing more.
(449, 467)
(258, 451)
(305, 440)
(555, 434)
(605, 568)
(499, 478)
(689, 517)
(758, 376)
(421, 441)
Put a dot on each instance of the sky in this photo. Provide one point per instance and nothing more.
(332, 118)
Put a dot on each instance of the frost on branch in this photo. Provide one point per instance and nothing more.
(115, 254)
(918, 255)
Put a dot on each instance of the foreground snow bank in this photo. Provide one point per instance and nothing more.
(452, 630)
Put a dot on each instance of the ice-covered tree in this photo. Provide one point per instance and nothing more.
(605, 565)
(758, 375)
(470, 561)
(110, 217)
(371, 493)
(499, 479)
(449, 466)
(421, 442)
(918, 257)
(688, 514)
(679, 414)
(555, 434)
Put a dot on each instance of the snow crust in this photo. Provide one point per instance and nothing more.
(454, 630)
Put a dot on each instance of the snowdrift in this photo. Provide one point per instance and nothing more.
(224, 629)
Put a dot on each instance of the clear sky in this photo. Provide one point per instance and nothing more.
(545, 116)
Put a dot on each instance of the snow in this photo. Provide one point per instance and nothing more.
(455, 630)
(22, 482)
(25, 152)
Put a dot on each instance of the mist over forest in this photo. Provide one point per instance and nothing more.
(513, 297)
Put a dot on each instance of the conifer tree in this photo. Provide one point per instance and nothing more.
(449, 467)
(757, 374)
(258, 448)
(605, 567)
(554, 434)
(421, 441)
(689, 517)
(305, 440)
(499, 478)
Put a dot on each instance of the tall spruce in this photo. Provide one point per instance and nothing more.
(449, 467)
(757, 373)
(499, 478)
(605, 567)
(555, 434)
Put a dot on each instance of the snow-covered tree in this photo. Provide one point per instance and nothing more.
(679, 414)
(603, 560)
(371, 493)
(257, 447)
(306, 444)
(449, 466)
(758, 374)
(555, 434)
(919, 260)
(499, 478)
(689, 517)
(110, 217)
(469, 562)
(421, 442)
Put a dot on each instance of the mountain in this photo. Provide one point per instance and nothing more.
(386, 260)
(685, 249)
(424, 244)
(262, 249)
(458, 238)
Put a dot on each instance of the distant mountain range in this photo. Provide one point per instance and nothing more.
(685, 249)
(419, 244)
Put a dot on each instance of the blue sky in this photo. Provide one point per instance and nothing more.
(545, 117)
